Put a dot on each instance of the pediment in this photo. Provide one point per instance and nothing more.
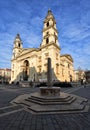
(68, 56)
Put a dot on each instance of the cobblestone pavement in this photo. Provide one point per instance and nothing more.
(15, 118)
(26, 121)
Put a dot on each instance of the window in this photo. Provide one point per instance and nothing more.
(47, 41)
(57, 68)
(56, 56)
(47, 33)
(46, 56)
(39, 59)
(68, 65)
(19, 45)
(47, 24)
(55, 39)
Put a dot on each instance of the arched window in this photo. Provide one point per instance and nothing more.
(47, 24)
(68, 65)
(47, 33)
(47, 41)
(19, 45)
(26, 63)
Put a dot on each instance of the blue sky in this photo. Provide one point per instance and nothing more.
(26, 18)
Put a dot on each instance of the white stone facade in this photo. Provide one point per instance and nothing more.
(31, 63)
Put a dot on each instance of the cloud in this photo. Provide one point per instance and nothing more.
(32, 40)
(75, 32)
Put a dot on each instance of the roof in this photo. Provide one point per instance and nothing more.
(18, 37)
(6, 69)
(67, 56)
(27, 50)
(49, 16)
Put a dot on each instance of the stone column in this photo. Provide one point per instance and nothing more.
(49, 73)
(49, 91)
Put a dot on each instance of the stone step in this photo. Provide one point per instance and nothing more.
(60, 109)
(42, 102)
(50, 97)
(26, 103)
(65, 103)
(51, 100)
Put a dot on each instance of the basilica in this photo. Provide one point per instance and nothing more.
(30, 64)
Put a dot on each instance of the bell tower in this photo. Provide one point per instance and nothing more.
(50, 33)
(17, 46)
(50, 47)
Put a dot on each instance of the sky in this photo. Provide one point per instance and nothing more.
(26, 18)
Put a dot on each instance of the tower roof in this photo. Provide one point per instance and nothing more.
(49, 12)
(18, 37)
(49, 16)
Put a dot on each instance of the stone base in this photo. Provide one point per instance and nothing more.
(50, 91)
(28, 84)
(24, 84)
(64, 103)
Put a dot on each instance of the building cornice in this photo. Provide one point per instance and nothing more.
(52, 43)
(50, 35)
(67, 56)
(51, 26)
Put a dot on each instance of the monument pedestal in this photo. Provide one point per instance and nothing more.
(24, 84)
(50, 91)
(45, 104)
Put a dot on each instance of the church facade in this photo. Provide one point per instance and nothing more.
(31, 64)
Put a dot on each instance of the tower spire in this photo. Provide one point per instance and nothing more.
(49, 12)
(18, 37)
(49, 16)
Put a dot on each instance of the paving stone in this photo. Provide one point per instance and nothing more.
(26, 127)
(24, 120)
(32, 127)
